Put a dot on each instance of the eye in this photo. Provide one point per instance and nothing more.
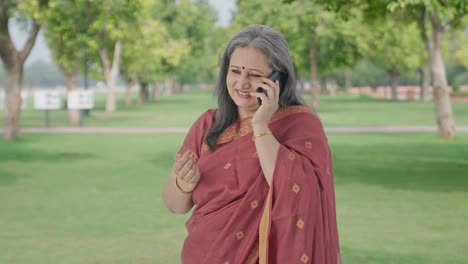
(255, 75)
(235, 71)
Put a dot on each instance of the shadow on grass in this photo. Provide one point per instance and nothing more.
(8, 177)
(358, 256)
(420, 167)
(10, 154)
(20, 154)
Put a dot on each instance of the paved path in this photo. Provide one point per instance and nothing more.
(165, 130)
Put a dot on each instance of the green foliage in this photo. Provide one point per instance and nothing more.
(195, 23)
(35, 9)
(365, 73)
(148, 46)
(66, 34)
(340, 43)
(396, 47)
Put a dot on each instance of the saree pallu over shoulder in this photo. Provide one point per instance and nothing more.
(239, 219)
(299, 223)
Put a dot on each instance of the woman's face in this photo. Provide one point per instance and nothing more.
(246, 68)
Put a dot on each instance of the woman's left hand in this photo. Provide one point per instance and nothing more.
(269, 105)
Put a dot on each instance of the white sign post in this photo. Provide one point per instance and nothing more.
(47, 100)
(80, 100)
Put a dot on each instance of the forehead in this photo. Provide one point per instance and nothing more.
(249, 58)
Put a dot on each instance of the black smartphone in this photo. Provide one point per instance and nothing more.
(275, 76)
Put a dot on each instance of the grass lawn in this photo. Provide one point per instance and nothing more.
(182, 109)
(401, 198)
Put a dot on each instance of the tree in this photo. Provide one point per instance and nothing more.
(109, 24)
(150, 49)
(395, 47)
(320, 41)
(441, 16)
(33, 12)
(196, 22)
(434, 17)
(67, 40)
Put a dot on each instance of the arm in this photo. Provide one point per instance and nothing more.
(266, 144)
(267, 150)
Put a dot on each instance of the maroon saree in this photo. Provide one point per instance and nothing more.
(238, 218)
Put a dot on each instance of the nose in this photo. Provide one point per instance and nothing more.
(243, 82)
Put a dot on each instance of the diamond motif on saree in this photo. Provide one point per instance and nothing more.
(296, 188)
(254, 204)
(300, 223)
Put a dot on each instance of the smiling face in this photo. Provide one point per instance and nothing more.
(246, 67)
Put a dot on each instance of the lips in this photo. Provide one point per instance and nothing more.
(244, 95)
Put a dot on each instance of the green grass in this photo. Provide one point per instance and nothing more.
(182, 109)
(401, 198)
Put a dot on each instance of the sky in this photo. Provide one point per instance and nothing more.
(42, 52)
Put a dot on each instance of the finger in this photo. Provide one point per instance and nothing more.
(262, 96)
(275, 85)
(181, 162)
(269, 82)
(269, 88)
(187, 167)
(277, 90)
(190, 176)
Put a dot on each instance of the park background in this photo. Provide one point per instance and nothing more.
(71, 194)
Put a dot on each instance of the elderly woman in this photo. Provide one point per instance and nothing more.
(259, 174)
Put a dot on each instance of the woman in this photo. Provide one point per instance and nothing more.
(259, 175)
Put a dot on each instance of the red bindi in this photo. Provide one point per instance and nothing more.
(243, 67)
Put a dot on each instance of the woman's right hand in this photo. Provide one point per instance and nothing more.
(187, 173)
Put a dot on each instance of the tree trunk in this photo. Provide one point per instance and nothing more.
(70, 84)
(443, 105)
(12, 109)
(314, 83)
(347, 79)
(13, 61)
(394, 81)
(144, 93)
(177, 87)
(156, 92)
(111, 72)
(131, 82)
(425, 82)
(323, 86)
(168, 87)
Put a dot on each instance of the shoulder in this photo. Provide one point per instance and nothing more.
(297, 121)
(208, 116)
(205, 120)
(296, 114)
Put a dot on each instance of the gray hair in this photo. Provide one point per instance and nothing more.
(274, 46)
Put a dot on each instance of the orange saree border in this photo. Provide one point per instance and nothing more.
(264, 229)
(234, 132)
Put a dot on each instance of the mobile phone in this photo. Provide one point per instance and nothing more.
(275, 76)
